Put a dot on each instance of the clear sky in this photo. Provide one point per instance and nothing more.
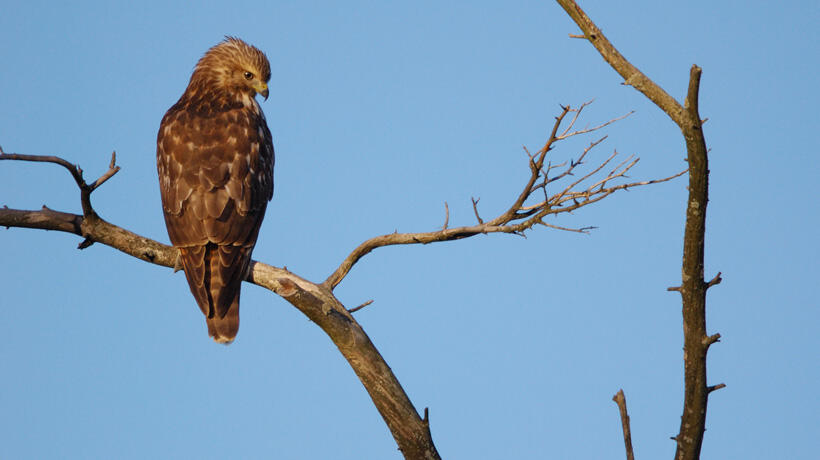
(381, 112)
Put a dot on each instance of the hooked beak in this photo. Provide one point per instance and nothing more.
(262, 88)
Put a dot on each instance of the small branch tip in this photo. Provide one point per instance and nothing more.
(85, 243)
(475, 210)
(355, 309)
(714, 281)
(715, 387)
(711, 339)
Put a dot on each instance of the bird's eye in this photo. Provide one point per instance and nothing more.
(248, 75)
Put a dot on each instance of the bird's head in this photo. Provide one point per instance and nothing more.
(236, 67)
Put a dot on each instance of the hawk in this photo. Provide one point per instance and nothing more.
(215, 164)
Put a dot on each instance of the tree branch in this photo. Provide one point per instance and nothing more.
(520, 217)
(693, 289)
(620, 400)
(318, 303)
(76, 173)
(631, 75)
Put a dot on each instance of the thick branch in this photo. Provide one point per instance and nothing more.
(412, 434)
(45, 219)
(693, 289)
(631, 75)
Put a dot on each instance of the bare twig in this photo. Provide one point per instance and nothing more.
(446, 216)
(521, 215)
(620, 400)
(76, 173)
(475, 209)
(112, 169)
(715, 387)
(706, 341)
(355, 309)
(568, 229)
(566, 134)
(714, 281)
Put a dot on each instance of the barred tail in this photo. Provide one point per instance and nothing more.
(215, 275)
(223, 329)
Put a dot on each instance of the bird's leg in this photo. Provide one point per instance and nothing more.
(178, 262)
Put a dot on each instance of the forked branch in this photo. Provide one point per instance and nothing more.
(538, 197)
(75, 171)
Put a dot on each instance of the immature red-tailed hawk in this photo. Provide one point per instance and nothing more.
(215, 164)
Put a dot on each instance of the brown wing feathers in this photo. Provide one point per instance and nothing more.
(215, 163)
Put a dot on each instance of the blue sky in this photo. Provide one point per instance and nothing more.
(381, 112)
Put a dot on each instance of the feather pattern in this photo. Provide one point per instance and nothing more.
(215, 163)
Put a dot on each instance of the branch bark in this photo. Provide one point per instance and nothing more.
(620, 400)
(693, 288)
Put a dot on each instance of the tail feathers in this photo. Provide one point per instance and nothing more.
(215, 275)
(224, 329)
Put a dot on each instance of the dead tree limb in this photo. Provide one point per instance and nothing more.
(411, 432)
(522, 216)
(693, 288)
(316, 300)
(620, 400)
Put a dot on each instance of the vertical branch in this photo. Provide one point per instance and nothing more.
(620, 400)
(693, 288)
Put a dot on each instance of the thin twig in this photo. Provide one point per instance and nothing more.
(354, 309)
(475, 209)
(76, 173)
(714, 281)
(568, 229)
(595, 128)
(112, 169)
(521, 216)
(709, 340)
(715, 387)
